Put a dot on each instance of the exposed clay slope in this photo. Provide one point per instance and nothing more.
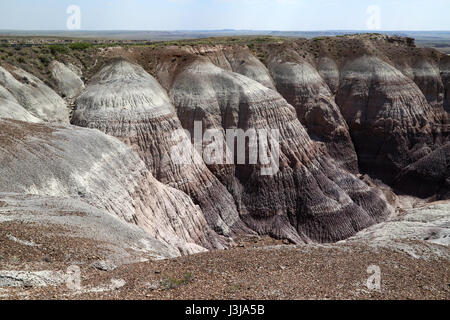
(82, 163)
(62, 229)
(242, 61)
(328, 58)
(69, 83)
(388, 116)
(11, 109)
(124, 101)
(238, 59)
(428, 176)
(427, 77)
(428, 223)
(389, 95)
(34, 95)
(369, 73)
(304, 88)
(163, 62)
(329, 71)
(445, 74)
(310, 197)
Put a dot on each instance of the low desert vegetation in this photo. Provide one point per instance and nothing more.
(173, 283)
(80, 45)
(58, 48)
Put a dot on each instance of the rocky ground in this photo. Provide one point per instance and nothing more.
(409, 252)
(259, 269)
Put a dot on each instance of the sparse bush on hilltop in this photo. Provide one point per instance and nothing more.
(58, 48)
(80, 46)
(44, 59)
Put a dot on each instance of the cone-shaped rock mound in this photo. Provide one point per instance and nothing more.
(86, 164)
(33, 95)
(124, 101)
(310, 197)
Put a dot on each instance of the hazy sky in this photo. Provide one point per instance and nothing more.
(228, 14)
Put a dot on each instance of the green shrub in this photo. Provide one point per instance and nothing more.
(44, 59)
(58, 48)
(80, 45)
(172, 283)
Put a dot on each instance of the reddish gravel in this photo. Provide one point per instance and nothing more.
(258, 271)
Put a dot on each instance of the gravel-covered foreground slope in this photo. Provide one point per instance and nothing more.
(85, 164)
(65, 229)
(411, 264)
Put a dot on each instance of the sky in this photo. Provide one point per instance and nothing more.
(283, 15)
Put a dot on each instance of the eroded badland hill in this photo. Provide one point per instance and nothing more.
(88, 178)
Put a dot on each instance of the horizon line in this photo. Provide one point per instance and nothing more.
(223, 30)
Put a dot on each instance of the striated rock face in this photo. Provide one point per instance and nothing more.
(330, 107)
(329, 71)
(124, 101)
(377, 102)
(11, 109)
(427, 78)
(428, 176)
(303, 87)
(49, 160)
(69, 83)
(238, 59)
(445, 75)
(310, 197)
(65, 221)
(389, 118)
(32, 94)
(242, 61)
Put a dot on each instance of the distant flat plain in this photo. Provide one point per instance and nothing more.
(439, 40)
